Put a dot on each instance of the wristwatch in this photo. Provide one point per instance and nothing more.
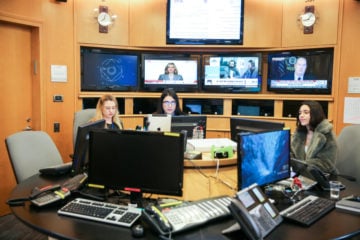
(104, 19)
(308, 19)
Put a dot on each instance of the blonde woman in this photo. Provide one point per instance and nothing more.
(107, 108)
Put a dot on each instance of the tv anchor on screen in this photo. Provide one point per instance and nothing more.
(171, 73)
(299, 73)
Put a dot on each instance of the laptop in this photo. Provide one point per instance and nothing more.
(158, 122)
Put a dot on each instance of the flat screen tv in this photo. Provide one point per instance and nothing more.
(303, 71)
(177, 71)
(81, 150)
(109, 70)
(237, 73)
(137, 161)
(263, 158)
(247, 125)
(198, 22)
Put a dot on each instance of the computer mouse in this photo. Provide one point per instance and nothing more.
(137, 231)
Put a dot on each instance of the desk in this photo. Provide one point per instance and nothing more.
(209, 177)
(47, 221)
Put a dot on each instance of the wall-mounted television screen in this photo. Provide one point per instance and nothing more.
(180, 72)
(232, 73)
(302, 71)
(109, 70)
(199, 22)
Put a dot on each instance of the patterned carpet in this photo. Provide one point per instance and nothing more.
(13, 229)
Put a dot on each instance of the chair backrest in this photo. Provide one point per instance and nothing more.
(81, 117)
(30, 151)
(348, 161)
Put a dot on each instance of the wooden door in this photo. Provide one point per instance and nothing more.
(15, 97)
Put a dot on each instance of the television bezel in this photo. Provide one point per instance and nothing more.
(239, 165)
(116, 87)
(302, 53)
(252, 126)
(169, 57)
(232, 88)
(188, 40)
(175, 158)
(81, 147)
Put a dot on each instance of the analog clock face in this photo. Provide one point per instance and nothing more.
(308, 19)
(104, 19)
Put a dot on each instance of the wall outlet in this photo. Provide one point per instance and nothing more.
(56, 127)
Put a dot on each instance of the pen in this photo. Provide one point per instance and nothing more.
(171, 204)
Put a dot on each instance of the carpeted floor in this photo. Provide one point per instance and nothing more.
(13, 229)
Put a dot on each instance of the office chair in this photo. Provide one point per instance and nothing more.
(30, 151)
(348, 161)
(81, 117)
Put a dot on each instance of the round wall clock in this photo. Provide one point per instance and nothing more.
(308, 19)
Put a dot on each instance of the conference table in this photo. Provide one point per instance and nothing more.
(335, 224)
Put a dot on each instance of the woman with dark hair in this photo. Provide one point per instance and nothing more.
(314, 140)
(169, 103)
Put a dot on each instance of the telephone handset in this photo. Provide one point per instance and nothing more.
(254, 212)
(246, 222)
(48, 195)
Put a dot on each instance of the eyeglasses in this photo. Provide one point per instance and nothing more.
(169, 103)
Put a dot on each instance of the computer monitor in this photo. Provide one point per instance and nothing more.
(81, 149)
(241, 125)
(137, 161)
(188, 123)
(263, 158)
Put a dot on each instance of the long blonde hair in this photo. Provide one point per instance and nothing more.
(99, 106)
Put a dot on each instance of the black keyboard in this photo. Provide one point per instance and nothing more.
(190, 215)
(110, 213)
(308, 210)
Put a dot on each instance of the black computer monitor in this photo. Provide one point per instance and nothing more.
(81, 149)
(137, 161)
(263, 158)
(188, 123)
(247, 125)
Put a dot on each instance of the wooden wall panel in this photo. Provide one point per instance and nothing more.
(87, 27)
(262, 23)
(325, 28)
(349, 57)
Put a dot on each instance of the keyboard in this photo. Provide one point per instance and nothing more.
(308, 210)
(110, 213)
(190, 215)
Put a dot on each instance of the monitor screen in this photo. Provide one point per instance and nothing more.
(305, 71)
(179, 72)
(81, 149)
(109, 70)
(137, 161)
(188, 123)
(235, 73)
(204, 22)
(247, 125)
(263, 158)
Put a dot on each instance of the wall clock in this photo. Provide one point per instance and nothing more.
(104, 18)
(308, 19)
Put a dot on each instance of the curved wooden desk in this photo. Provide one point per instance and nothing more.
(209, 177)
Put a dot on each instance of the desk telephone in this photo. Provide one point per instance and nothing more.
(49, 194)
(254, 212)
